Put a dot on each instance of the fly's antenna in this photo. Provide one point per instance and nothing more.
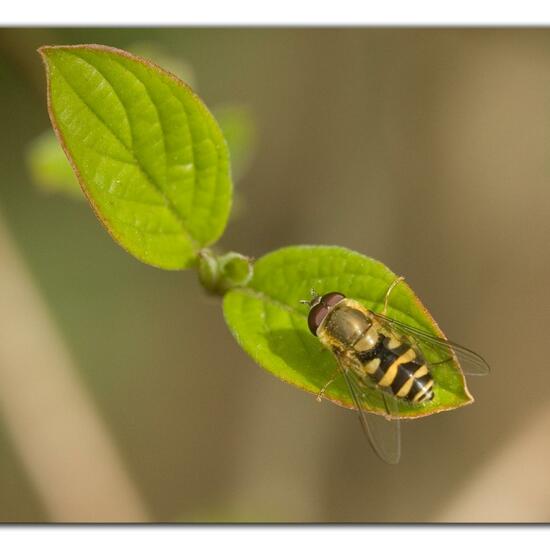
(314, 297)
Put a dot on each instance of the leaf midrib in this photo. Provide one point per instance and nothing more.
(194, 144)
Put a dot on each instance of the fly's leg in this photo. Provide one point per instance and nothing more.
(388, 292)
(324, 388)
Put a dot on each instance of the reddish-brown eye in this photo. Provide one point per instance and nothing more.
(332, 298)
(316, 315)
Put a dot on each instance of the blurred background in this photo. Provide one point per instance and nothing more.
(123, 396)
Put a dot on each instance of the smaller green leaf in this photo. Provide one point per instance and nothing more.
(49, 166)
(268, 321)
(148, 154)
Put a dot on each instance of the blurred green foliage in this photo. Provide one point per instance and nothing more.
(238, 127)
(49, 167)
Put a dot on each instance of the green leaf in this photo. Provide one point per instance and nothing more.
(268, 321)
(148, 154)
(49, 166)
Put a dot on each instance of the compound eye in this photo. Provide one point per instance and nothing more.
(316, 315)
(332, 298)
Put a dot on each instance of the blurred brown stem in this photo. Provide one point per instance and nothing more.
(55, 428)
(493, 495)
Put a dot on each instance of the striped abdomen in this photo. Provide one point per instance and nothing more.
(396, 366)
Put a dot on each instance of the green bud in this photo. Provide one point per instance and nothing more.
(218, 274)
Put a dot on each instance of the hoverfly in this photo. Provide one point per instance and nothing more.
(375, 351)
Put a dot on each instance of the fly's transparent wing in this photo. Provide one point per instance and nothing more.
(470, 362)
(383, 435)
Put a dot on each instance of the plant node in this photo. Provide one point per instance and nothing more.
(218, 274)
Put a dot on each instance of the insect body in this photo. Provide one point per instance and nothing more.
(377, 352)
(373, 351)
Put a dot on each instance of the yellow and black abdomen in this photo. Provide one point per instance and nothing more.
(396, 366)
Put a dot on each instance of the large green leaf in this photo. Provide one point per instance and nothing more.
(268, 321)
(148, 154)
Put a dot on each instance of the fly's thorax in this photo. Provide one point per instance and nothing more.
(349, 325)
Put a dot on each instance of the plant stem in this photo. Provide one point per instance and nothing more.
(53, 423)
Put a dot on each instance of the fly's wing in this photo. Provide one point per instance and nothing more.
(383, 435)
(470, 362)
